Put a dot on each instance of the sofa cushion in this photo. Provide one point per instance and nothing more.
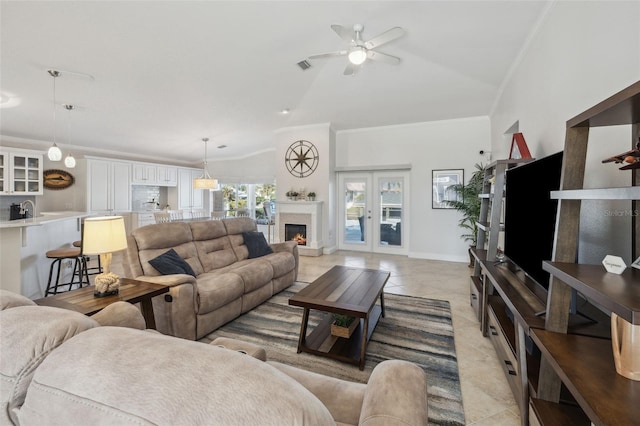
(28, 334)
(216, 289)
(235, 228)
(256, 244)
(282, 263)
(153, 240)
(170, 263)
(215, 386)
(254, 273)
(9, 299)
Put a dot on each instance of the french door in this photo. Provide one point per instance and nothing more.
(373, 213)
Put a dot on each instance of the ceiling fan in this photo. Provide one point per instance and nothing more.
(359, 50)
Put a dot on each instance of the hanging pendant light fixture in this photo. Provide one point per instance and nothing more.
(69, 161)
(54, 152)
(205, 181)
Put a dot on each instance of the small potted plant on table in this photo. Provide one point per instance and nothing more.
(292, 195)
(343, 325)
(311, 196)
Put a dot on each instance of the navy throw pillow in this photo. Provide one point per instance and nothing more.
(171, 263)
(256, 244)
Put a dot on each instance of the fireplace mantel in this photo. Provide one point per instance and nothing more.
(311, 213)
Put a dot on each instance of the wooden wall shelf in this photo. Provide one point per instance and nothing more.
(585, 365)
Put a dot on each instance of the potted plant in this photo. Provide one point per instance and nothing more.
(343, 325)
(468, 203)
(311, 196)
(292, 195)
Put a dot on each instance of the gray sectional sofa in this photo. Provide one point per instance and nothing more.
(226, 282)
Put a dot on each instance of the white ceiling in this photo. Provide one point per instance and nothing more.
(166, 74)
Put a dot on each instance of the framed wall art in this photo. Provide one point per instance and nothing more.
(441, 187)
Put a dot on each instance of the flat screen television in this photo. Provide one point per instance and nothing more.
(530, 214)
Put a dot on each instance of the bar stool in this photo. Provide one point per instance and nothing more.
(94, 270)
(79, 268)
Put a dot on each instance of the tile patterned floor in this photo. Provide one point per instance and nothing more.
(486, 396)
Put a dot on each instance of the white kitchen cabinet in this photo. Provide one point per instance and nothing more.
(108, 186)
(154, 174)
(167, 175)
(144, 174)
(188, 197)
(21, 172)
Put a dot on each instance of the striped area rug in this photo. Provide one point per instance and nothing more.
(414, 329)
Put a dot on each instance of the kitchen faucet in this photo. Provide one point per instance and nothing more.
(33, 208)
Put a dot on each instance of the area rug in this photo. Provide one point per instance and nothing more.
(414, 329)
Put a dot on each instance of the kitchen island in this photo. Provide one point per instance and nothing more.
(24, 267)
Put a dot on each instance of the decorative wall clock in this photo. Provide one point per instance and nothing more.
(57, 179)
(301, 158)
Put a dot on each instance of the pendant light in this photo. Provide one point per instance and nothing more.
(205, 181)
(69, 161)
(54, 152)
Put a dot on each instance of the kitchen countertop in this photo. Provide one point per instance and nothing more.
(42, 219)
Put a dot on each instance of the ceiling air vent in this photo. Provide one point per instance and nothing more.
(304, 65)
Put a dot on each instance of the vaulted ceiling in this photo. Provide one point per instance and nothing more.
(153, 78)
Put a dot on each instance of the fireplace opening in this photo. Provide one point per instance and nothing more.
(296, 233)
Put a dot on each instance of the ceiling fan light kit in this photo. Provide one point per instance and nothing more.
(359, 50)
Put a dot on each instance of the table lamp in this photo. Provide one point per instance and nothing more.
(103, 236)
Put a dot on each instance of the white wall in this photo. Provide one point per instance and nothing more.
(582, 53)
(255, 168)
(449, 144)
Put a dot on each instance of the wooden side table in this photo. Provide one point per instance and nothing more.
(132, 291)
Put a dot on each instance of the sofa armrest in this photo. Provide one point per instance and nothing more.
(121, 314)
(168, 280)
(288, 247)
(343, 399)
(396, 395)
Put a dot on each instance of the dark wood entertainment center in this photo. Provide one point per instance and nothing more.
(560, 365)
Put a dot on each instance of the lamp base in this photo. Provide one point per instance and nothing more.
(106, 293)
(107, 284)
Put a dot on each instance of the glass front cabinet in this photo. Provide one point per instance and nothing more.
(20, 172)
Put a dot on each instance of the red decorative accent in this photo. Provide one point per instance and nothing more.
(521, 149)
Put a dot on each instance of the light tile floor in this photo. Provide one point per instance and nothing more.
(486, 396)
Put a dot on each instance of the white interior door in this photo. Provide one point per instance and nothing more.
(373, 215)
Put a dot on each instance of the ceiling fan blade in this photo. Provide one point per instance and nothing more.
(352, 69)
(329, 55)
(385, 37)
(382, 57)
(343, 33)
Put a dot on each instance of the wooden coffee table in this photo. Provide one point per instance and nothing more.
(348, 291)
(132, 291)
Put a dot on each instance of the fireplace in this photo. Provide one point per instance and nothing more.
(307, 214)
(293, 232)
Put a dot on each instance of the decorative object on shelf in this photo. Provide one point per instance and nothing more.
(311, 196)
(443, 183)
(103, 236)
(519, 148)
(69, 161)
(343, 325)
(57, 179)
(292, 195)
(632, 158)
(54, 152)
(205, 181)
(301, 158)
(625, 339)
(614, 264)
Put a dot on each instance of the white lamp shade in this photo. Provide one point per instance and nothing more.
(54, 153)
(205, 183)
(103, 234)
(69, 161)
